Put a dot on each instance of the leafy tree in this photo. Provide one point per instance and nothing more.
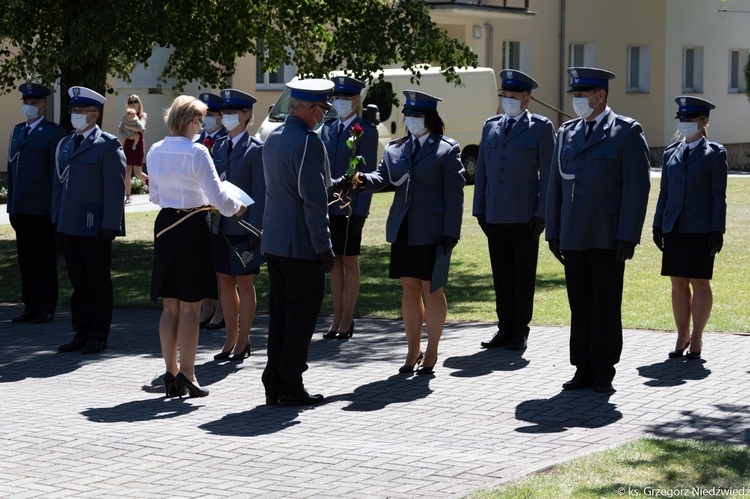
(84, 42)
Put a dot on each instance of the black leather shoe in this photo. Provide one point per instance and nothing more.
(677, 352)
(423, 369)
(239, 357)
(42, 318)
(603, 385)
(203, 324)
(303, 398)
(94, 346)
(501, 339)
(342, 335)
(693, 355)
(223, 355)
(579, 381)
(211, 326)
(171, 389)
(186, 386)
(75, 345)
(272, 400)
(409, 368)
(330, 335)
(26, 316)
(517, 344)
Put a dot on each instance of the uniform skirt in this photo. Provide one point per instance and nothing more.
(183, 257)
(411, 261)
(339, 237)
(226, 261)
(686, 255)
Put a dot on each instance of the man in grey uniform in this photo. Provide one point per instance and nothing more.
(510, 193)
(596, 205)
(296, 240)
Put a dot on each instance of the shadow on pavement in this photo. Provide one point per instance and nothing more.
(260, 420)
(579, 409)
(140, 410)
(484, 362)
(674, 372)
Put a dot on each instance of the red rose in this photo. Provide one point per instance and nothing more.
(208, 142)
(356, 130)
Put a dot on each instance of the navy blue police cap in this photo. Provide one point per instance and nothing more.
(346, 86)
(692, 107)
(516, 81)
(583, 79)
(419, 102)
(33, 91)
(212, 101)
(82, 96)
(236, 99)
(315, 90)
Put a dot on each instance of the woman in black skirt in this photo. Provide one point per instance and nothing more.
(690, 220)
(424, 223)
(184, 183)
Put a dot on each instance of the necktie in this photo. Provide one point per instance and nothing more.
(509, 126)
(341, 128)
(590, 129)
(685, 154)
(415, 148)
(79, 139)
(26, 132)
(230, 145)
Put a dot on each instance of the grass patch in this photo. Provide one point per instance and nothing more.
(646, 302)
(643, 467)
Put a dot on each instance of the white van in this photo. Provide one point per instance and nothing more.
(464, 109)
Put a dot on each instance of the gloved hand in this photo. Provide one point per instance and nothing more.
(326, 260)
(536, 226)
(554, 247)
(482, 223)
(449, 243)
(361, 180)
(658, 238)
(253, 242)
(715, 242)
(106, 234)
(356, 222)
(339, 184)
(624, 251)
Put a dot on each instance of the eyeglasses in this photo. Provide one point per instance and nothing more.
(203, 125)
(132, 101)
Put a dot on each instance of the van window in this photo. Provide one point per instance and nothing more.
(281, 109)
(381, 97)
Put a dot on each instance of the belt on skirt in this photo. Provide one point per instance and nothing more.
(189, 212)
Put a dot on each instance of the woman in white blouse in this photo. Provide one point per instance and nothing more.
(184, 183)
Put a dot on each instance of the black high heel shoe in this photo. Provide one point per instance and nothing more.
(330, 335)
(184, 384)
(223, 355)
(409, 368)
(236, 357)
(677, 353)
(211, 326)
(203, 324)
(423, 369)
(341, 335)
(170, 388)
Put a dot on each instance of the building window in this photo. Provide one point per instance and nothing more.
(511, 55)
(581, 55)
(638, 68)
(268, 80)
(692, 69)
(738, 59)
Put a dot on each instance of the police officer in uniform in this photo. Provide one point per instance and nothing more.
(690, 220)
(425, 218)
(31, 167)
(347, 221)
(510, 193)
(238, 158)
(596, 205)
(88, 211)
(296, 240)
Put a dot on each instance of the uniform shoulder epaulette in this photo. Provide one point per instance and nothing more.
(23, 123)
(219, 140)
(539, 117)
(492, 119)
(626, 119)
(109, 136)
(448, 140)
(399, 140)
(672, 146)
(716, 146)
(570, 122)
(255, 140)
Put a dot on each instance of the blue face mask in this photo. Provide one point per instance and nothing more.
(688, 129)
(512, 107)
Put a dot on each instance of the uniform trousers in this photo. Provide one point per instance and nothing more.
(513, 256)
(89, 260)
(295, 297)
(594, 282)
(37, 260)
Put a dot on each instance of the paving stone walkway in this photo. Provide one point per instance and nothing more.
(99, 426)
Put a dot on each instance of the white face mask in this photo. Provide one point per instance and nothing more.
(230, 121)
(79, 121)
(415, 125)
(512, 107)
(343, 107)
(31, 112)
(210, 122)
(319, 124)
(581, 107)
(688, 129)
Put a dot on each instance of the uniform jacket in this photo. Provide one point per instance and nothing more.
(31, 168)
(90, 185)
(338, 157)
(429, 190)
(220, 134)
(295, 221)
(510, 185)
(244, 168)
(607, 198)
(694, 193)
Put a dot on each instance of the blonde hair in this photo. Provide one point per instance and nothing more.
(184, 109)
(140, 104)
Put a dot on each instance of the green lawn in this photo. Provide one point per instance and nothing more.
(646, 303)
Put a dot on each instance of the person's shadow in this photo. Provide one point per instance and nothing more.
(485, 362)
(567, 409)
(674, 372)
(260, 420)
(399, 388)
(140, 410)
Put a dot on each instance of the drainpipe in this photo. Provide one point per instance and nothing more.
(563, 80)
(490, 42)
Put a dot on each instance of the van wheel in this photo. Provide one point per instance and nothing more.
(469, 159)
